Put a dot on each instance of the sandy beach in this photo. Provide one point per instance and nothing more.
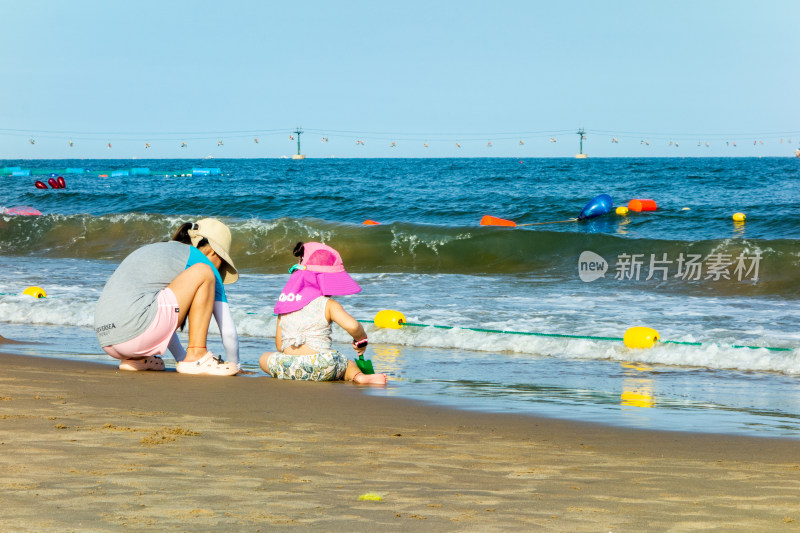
(86, 447)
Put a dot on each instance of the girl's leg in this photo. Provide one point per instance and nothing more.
(194, 290)
(262, 361)
(354, 374)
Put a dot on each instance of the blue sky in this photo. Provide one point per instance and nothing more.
(412, 72)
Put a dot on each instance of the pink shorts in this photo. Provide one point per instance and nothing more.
(156, 337)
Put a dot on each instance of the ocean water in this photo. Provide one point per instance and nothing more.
(725, 294)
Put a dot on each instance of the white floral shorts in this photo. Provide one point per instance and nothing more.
(322, 366)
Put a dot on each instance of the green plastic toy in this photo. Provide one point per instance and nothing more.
(365, 365)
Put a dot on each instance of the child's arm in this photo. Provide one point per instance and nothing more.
(278, 340)
(334, 312)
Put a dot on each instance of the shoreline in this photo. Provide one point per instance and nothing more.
(87, 444)
(555, 392)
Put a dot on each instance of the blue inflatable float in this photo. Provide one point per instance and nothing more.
(597, 206)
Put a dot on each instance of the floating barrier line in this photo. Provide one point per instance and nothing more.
(566, 336)
(96, 173)
(506, 332)
(532, 333)
(772, 348)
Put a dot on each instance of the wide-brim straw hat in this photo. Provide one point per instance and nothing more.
(219, 238)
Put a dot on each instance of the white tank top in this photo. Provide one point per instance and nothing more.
(307, 326)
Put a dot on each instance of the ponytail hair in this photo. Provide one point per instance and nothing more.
(182, 235)
(298, 250)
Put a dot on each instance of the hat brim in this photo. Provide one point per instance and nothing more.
(337, 283)
(301, 289)
(305, 286)
(227, 270)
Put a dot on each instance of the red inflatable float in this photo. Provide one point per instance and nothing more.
(642, 205)
(55, 183)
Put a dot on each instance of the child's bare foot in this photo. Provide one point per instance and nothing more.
(370, 379)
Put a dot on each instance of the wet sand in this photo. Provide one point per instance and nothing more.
(86, 447)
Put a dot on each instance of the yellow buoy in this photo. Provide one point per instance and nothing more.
(640, 337)
(739, 217)
(622, 210)
(389, 319)
(36, 292)
(685, 209)
(370, 497)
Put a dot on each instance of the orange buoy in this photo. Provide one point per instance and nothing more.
(642, 205)
(371, 223)
(489, 220)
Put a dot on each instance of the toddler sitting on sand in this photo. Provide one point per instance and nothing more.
(305, 313)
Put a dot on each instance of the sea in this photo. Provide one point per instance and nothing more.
(527, 319)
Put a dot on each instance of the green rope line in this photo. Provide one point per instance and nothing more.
(533, 333)
(774, 349)
(565, 336)
(506, 332)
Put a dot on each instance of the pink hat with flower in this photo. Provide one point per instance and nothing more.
(319, 273)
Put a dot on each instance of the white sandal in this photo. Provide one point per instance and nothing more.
(153, 362)
(208, 365)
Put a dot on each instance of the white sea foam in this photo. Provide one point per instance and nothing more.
(482, 302)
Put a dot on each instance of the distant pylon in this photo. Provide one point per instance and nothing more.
(580, 154)
(297, 132)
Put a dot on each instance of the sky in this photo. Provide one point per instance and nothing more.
(436, 78)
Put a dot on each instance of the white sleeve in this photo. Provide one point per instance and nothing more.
(176, 348)
(227, 329)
